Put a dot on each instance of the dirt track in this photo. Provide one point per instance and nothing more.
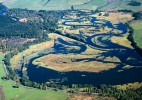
(2, 97)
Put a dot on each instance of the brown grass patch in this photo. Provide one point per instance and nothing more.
(87, 97)
(17, 59)
(80, 23)
(115, 17)
(69, 62)
(122, 41)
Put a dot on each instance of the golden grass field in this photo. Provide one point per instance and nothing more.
(29, 53)
(65, 63)
(115, 17)
(122, 41)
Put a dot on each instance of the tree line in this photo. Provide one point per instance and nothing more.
(1, 7)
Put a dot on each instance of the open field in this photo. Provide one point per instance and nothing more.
(32, 94)
(92, 5)
(137, 35)
(115, 17)
(53, 4)
(23, 93)
(79, 2)
(122, 5)
(9, 91)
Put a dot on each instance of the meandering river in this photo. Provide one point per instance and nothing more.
(112, 76)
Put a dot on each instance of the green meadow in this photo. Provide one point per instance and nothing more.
(137, 35)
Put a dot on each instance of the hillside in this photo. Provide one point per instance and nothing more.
(109, 5)
(53, 4)
(123, 4)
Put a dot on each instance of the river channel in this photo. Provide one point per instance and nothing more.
(112, 76)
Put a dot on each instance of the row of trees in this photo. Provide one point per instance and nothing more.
(134, 3)
(137, 15)
(1, 7)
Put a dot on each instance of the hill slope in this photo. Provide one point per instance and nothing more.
(53, 4)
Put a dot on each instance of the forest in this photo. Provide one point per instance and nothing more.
(36, 23)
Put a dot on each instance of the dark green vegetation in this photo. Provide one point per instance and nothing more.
(111, 91)
(137, 15)
(134, 3)
(36, 23)
(1, 7)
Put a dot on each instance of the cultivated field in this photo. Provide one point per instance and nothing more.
(53, 4)
(24, 93)
(137, 33)
(121, 4)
